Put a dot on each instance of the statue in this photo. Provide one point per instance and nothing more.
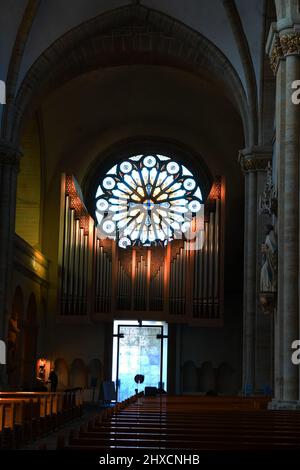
(268, 274)
(268, 200)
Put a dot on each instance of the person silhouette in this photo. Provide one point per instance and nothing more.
(53, 379)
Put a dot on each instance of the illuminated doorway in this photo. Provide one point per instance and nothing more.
(139, 348)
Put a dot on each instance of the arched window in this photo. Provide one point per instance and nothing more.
(147, 199)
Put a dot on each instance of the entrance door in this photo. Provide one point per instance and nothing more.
(140, 350)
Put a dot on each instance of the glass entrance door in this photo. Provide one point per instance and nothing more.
(140, 350)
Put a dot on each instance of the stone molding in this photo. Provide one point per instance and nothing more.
(255, 159)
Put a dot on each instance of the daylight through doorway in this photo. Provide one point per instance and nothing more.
(139, 348)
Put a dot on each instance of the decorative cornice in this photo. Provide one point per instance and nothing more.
(255, 159)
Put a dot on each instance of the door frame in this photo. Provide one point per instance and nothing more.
(120, 335)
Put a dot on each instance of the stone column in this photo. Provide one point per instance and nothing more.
(283, 47)
(9, 165)
(256, 346)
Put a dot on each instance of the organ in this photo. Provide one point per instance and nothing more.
(176, 283)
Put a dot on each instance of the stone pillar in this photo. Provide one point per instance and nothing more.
(9, 165)
(257, 353)
(283, 47)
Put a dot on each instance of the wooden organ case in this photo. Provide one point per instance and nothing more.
(100, 281)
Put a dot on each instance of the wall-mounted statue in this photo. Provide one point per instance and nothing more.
(268, 200)
(268, 274)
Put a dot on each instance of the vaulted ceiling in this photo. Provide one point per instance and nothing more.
(236, 28)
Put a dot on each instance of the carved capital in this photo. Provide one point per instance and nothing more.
(290, 43)
(284, 45)
(254, 159)
(276, 55)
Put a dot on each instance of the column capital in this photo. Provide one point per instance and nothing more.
(281, 44)
(255, 158)
(9, 154)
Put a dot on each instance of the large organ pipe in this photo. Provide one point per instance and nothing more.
(80, 286)
(104, 279)
(174, 284)
(200, 277)
(86, 259)
(175, 293)
(76, 264)
(133, 278)
(184, 277)
(145, 279)
(122, 286)
(161, 283)
(216, 252)
(205, 265)
(97, 293)
(101, 274)
(109, 285)
(100, 262)
(196, 281)
(211, 261)
(71, 259)
(66, 247)
(171, 286)
(119, 283)
(178, 283)
(180, 280)
(148, 279)
(140, 282)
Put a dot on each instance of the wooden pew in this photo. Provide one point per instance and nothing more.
(28, 415)
(190, 423)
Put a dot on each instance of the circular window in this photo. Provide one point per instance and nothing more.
(147, 199)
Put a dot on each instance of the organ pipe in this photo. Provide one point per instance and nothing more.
(217, 257)
(140, 279)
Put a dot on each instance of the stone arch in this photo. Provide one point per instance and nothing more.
(62, 371)
(30, 343)
(78, 374)
(95, 372)
(190, 377)
(159, 39)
